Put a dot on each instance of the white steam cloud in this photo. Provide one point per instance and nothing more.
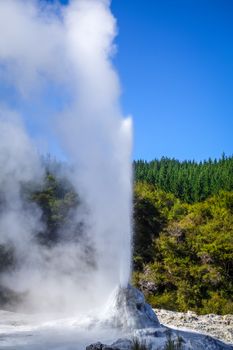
(71, 47)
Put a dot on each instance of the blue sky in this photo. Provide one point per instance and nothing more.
(175, 61)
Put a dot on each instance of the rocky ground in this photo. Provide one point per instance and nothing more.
(220, 327)
(125, 319)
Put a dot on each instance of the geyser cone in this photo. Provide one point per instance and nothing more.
(127, 309)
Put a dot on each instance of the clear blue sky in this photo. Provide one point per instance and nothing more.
(175, 61)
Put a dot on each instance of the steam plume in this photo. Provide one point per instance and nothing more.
(72, 47)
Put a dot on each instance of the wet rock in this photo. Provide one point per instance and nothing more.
(148, 286)
(95, 346)
(100, 346)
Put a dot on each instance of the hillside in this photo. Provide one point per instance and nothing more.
(183, 234)
(183, 253)
(189, 181)
(183, 249)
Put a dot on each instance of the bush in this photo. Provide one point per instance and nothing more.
(186, 262)
(166, 300)
(217, 304)
(138, 344)
(174, 344)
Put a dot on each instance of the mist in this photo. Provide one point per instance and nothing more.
(70, 48)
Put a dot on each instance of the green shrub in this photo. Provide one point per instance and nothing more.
(217, 304)
(166, 300)
(138, 344)
(173, 344)
(188, 259)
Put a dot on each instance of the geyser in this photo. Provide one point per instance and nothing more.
(98, 138)
(128, 310)
(63, 54)
(68, 50)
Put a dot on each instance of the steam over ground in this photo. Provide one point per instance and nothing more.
(68, 49)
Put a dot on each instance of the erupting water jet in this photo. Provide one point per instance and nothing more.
(127, 309)
(73, 56)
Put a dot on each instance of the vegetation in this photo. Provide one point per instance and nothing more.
(188, 180)
(188, 263)
(173, 344)
(56, 198)
(138, 344)
(183, 231)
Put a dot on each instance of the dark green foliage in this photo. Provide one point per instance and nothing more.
(6, 257)
(183, 231)
(186, 261)
(191, 261)
(9, 299)
(56, 198)
(173, 344)
(138, 344)
(57, 202)
(188, 180)
(147, 224)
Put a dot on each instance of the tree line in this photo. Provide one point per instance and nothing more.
(189, 181)
(183, 239)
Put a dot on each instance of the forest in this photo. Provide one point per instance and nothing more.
(189, 181)
(182, 232)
